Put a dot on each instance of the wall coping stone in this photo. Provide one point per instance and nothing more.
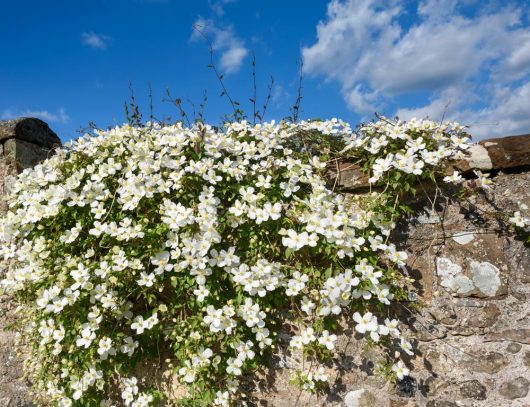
(29, 129)
(496, 154)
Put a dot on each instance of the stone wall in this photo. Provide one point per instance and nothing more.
(469, 314)
(23, 143)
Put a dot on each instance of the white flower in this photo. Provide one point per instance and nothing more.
(308, 335)
(201, 293)
(327, 340)
(307, 305)
(296, 240)
(146, 279)
(105, 348)
(454, 178)
(400, 370)
(234, 366)
(139, 324)
(129, 346)
(86, 337)
(406, 346)
(222, 399)
(365, 323)
(296, 342)
(98, 229)
(519, 220)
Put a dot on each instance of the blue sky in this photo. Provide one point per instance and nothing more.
(70, 62)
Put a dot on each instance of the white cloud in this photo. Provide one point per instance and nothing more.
(96, 41)
(59, 117)
(223, 40)
(218, 6)
(457, 59)
(507, 115)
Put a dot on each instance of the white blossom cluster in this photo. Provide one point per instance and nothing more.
(197, 239)
(409, 147)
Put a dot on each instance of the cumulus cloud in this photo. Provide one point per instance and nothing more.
(459, 59)
(223, 40)
(59, 117)
(96, 41)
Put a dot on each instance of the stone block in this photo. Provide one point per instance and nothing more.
(473, 389)
(24, 154)
(515, 389)
(346, 174)
(29, 129)
(508, 152)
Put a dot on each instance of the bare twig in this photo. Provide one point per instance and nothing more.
(151, 116)
(203, 105)
(267, 100)
(178, 104)
(296, 106)
(134, 116)
(255, 113)
(212, 65)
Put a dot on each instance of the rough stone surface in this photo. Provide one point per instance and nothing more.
(360, 398)
(29, 129)
(479, 158)
(25, 142)
(508, 152)
(520, 335)
(515, 389)
(24, 154)
(347, 174)
(473, 389)
(526, 359)
(484, 362)
(514, 347)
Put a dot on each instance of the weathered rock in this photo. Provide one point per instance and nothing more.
(483, 279)
(443, 312)
(402, 403)
(426, 331)
(508, 152)
(346, 174)
(473, 389)
(29, 129)
(526, 359)
(486, 277)
(485, 362)
(487, 316)
(520, 335)
(24, 154)
(515, 389)
(463, 237)
(514, 347)
(441, 403)
(360, 398)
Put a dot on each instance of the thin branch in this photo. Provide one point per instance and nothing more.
(151, 116)
(203, 105)
(134, 116)
(214, 68)
(178, 104)
(254, 90)
(269, 93)
(296, 106)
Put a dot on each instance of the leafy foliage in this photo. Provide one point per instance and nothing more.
(196, 243)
